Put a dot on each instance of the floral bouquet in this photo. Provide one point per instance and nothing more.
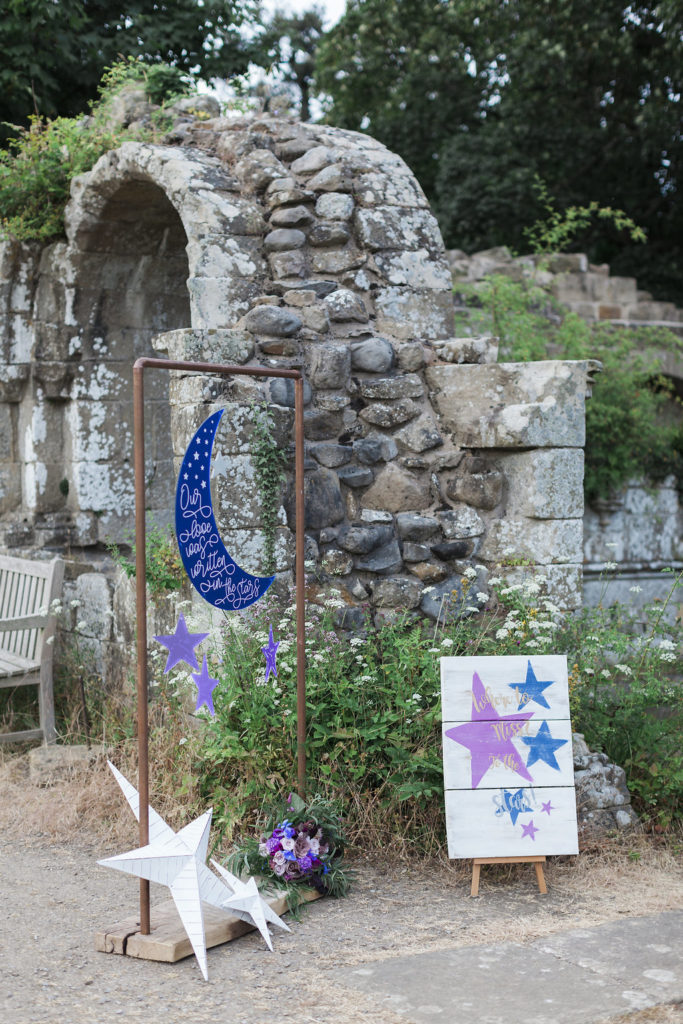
(301, 843)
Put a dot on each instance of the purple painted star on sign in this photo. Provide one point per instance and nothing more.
(206, 684)
(181, 645)
(270, 652)
(530, 830)
(548, 807)
(488, 736)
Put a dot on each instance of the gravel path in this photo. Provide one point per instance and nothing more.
(54, 897)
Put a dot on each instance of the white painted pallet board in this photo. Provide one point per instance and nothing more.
(512, 685)
(516, 762)
(508, 758)
(480, 822)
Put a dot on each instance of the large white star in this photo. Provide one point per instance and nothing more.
(248, 904)
(177, 860)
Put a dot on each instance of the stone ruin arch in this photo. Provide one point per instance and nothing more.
(281, 243)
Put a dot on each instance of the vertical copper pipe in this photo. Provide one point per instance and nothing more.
(300, 588)
(141, 614)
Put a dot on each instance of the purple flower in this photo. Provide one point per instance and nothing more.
(289, 855)
(278, 869)
(302, 846)
(305, 864)
(278, 858)
(288, 844)
(273, 844)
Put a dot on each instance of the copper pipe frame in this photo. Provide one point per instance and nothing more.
(140, 365)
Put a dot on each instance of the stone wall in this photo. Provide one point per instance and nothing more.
(272, 242)
(640, 529)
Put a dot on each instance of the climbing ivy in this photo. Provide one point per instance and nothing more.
(269, 462)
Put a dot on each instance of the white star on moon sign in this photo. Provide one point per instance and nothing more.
(178, 860)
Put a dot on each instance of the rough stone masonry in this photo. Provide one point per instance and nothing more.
(263, 240)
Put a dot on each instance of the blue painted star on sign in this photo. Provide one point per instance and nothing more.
(531, 690)
(516, 804)
(542, 747)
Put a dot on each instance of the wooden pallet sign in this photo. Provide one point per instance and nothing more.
(507, 755)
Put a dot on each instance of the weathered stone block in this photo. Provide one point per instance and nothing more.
(396, 592)
(538, 541)
(336, 261)
(513, 405)
(356, 476)
(469, 350)
(283, 239)
(259, 169)
(429, 572)
(321, 424)
(334, 206)
(390, 414)
(384, 560)
(344, 305)
(334, 178)
(407, 385)
(415, 552)
(459, 523)
(452, 549)
(406, 314)
(288, 264)
(328, 234)
(421, 435)
(337, 563)
(211, 345)
(396, 490)
(545, 484)
(418, 270)
(329, 366)
(291, 217)
(414, 527)
(483, 490)
(361, 539)
(389, 227)
(372, 355)
(324, 503)
(273, 320)
(313, 161)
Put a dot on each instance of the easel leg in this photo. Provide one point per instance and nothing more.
(540, 879)
(476, 868)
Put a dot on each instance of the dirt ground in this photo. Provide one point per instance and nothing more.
(54, 897)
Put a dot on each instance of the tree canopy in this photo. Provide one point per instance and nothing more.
(293, 40)
(53, 54)
(484, 99)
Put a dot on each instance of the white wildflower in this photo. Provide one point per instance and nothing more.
(470, 573)
(318, 658)
(502, 634)
(416, 696)
(589, 672)
(609, 566)
(366, 679)
(611, 544)
(356, 641)
(81, 625)
(495, 581)
(605, 673)
(481, 596)
(667, 656)
(434, 650)
(75, 603)
(668, 645)
(636, 589)
(429, 590)
(472, 608)
(625, 669)
(182, 741)
(533, 643)
(446, 642)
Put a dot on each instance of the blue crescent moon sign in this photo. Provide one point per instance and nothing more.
(213, 573)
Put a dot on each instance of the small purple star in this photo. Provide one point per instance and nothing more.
(206, 684)
(181, 645)
(530, 830)
(270, 652)
(548, 807)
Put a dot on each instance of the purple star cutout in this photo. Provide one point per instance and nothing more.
(206, 684)
(548, 807)
(270, 652)
(488, 736)
(181, 645)
(530, 830)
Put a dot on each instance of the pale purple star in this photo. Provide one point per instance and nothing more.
(206, 684)
(488, 736)
(548, 807)
(181, 645)
(530, 830)
(270, 652)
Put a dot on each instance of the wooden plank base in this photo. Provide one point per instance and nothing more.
(538, 863)
(168, 941)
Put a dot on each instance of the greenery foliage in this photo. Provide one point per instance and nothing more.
(163, 566)
(629, 429)
(374, 717)
(481, 99)
(55, 53)
(292, 41)
(37, 167)
(269, 461)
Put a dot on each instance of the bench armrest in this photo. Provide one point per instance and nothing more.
(24, 622)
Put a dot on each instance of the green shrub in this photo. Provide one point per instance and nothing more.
(629, 432)
(37, 168)
(163, 566)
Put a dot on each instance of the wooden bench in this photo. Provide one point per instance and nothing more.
(27, 590)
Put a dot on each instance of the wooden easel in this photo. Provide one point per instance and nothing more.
(538, 863)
